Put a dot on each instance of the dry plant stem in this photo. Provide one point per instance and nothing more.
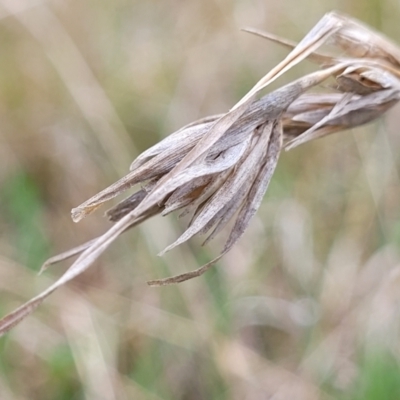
(115, 214)
(219, 168)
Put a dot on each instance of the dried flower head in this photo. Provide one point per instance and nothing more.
(219, 168)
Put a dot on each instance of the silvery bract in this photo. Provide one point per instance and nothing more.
(218, 169)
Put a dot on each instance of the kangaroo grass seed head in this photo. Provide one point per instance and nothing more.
(218, 168)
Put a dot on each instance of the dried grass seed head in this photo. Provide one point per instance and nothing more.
(219, 168)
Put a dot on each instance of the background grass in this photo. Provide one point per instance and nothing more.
(306, 306)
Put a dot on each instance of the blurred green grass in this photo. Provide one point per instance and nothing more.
(305, 307)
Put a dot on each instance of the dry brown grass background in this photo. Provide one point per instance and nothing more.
(306, 306)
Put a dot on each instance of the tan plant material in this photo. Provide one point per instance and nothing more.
(219, 168)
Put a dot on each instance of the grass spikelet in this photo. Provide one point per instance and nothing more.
(219, 168)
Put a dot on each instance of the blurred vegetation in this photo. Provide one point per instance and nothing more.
(305, 307)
